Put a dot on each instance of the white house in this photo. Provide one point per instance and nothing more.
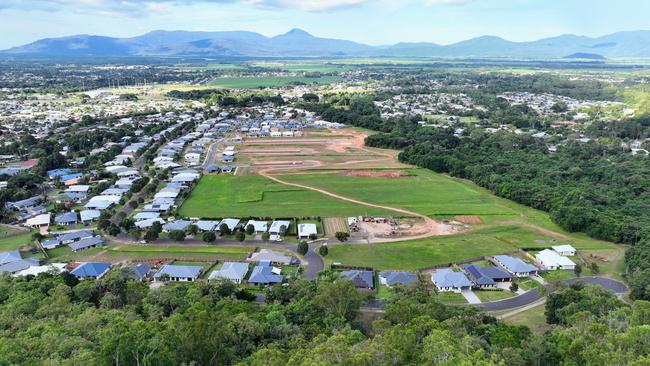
(565, 250)
(551, 260)
(260, 226)
(305, 230)
(39, 221)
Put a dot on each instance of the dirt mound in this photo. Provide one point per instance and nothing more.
(468, 219)
(391, 174)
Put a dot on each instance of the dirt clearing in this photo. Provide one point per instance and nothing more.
(390, 174)
(468, 219)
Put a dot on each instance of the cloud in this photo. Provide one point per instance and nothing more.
(137, 8)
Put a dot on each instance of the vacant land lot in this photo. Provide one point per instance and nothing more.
(254, 196)
(269, 81)
(335, 224)
(11, 239)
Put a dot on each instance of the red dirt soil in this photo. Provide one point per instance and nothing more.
(390, 174)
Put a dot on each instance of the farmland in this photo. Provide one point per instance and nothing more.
(269, 81)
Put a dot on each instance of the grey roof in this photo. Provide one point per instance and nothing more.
(179, 271)
(8, 257)
(91, 269)
(75, 235)
(18, 266)
(206, 225)
(88, 215)
(269, 255)
(140, 270)
(361, 279)
(234, 271)
(86, 243)
(177, 225)
(66, 218)
(448, 278)
(515, 265)
(264, 275)
(404, 278)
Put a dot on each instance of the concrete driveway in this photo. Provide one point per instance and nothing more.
(470, 296)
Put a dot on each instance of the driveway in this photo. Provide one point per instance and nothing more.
(471, 297)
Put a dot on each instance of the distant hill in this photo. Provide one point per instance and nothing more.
(298, 43)
(585, 56)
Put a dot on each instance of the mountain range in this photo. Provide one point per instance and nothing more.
(298, 43)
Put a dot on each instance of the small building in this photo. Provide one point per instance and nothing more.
(68, 218)
(207, 225)
(260, 226)
(390, 279)
(551, 260)
(486, 277)
(50, 244)
(233, 271)
(91, 270)
(74, 236)
(231, 223)
(446, 280)
(279, 227)
(89, 216)
(360, 279)
(178, 273)
(139, 272)
(265, 275)
(86, 243)
(270, 256)
(10, 256)
(565, 250)
(17, 266)
(515, 266)
(306, 230)
(39, 221)
(178, 225)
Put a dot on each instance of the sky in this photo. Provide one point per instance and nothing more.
(375, 22)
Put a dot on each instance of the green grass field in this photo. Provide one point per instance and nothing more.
(269, 81)
(303, 66)
(11, 239)
(533, 318)
(219, 196)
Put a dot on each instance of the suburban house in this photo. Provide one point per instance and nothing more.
(88, 216)
(515, 266)
(17, 266)
(360, 279)
(39, 221)
(146, 215)
(140, 271)
(486, 277)
(102, 202)
(35, 270)
(178, 225)
(86, 243)
(91, 270)
(305, 230)
(68, 218)
(279, 227)
(231, 223)
(178, 273)
(260, 226)
(264, 274)
(447, 280)
(233, 271)
(8, 257)
(207, 225)
(50, 244)
(270, 256)
(74, 236)
(565, 250)
(551, 260)
(390, 279)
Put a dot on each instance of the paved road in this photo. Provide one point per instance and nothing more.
(528, 297)
(534, 294)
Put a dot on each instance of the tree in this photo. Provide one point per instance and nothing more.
(224, 229)
(266, 236)
(250, 229)
(240, 236)
(340, 299)
(310, 98)
(313, 236)
(192, 229)
(593, 267)
(342, 236)
(209, 237)
(514, 287)
(133, 204)
(177, 235)
(135, 234)
(323, 251)
(577, 269)
(303, 248)
(151, 235)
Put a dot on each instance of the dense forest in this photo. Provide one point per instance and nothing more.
(599, 189)
(57, 320)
